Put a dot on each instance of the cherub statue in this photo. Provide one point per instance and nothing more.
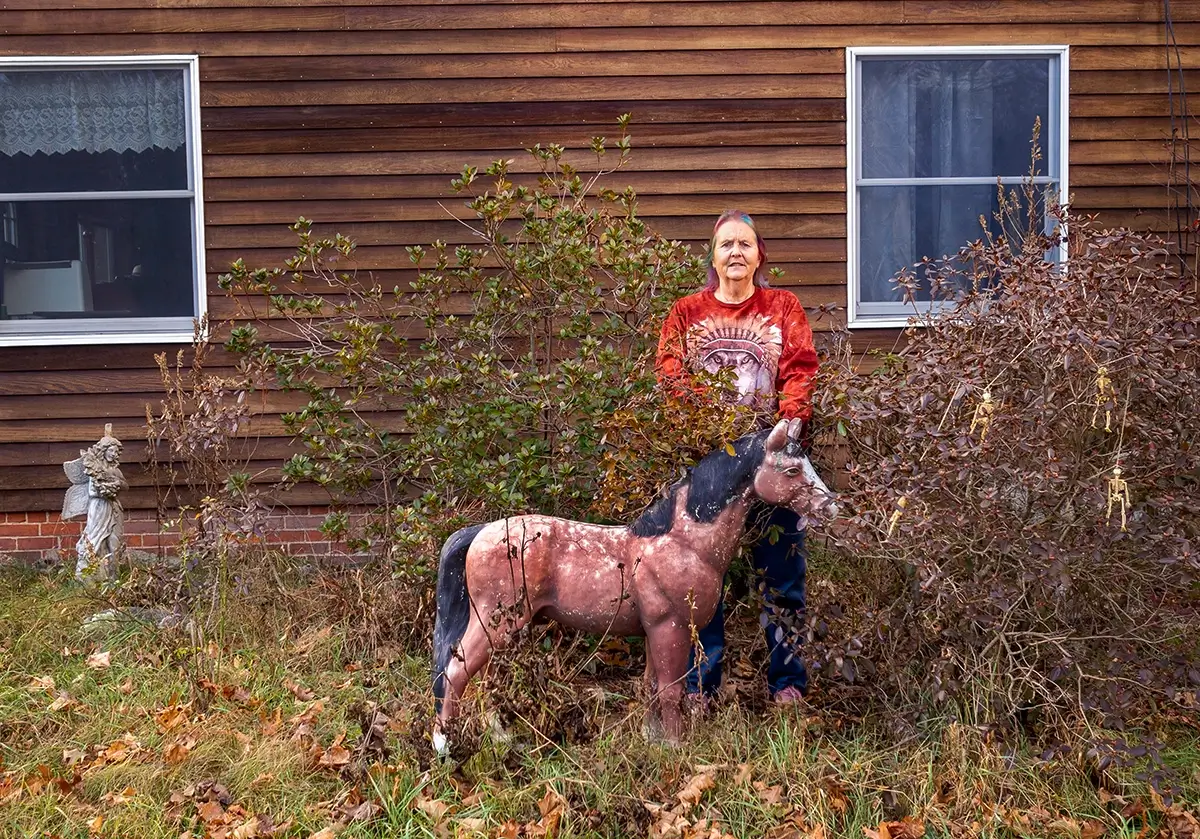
(96, 481)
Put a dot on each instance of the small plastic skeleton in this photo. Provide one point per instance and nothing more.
(1118, 495)
(1104, 393)
(901, 503)
(983, 415)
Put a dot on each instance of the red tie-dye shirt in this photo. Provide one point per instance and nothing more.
(765, 340)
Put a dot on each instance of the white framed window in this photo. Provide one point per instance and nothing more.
(100, 184)
(929, 132)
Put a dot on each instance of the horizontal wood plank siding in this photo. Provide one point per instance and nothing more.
(357, 113)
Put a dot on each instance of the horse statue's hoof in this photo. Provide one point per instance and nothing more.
(499, 733)
(652, 729)
(441, 746)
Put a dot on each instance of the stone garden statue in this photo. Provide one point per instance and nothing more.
(96, 481)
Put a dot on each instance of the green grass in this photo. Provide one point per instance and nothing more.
(237, 710)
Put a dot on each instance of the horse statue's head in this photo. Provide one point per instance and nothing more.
(786, 478)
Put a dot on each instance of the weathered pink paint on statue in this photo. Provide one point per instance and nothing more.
(629, 580)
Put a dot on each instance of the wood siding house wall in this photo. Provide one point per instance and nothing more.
(356, 113)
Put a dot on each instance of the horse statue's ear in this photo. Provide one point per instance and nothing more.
(778, 437)
(796, 430)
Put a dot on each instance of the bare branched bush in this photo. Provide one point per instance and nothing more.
(199, 448)
(1025, 475)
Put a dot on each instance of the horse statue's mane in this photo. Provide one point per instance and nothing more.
(710, 485)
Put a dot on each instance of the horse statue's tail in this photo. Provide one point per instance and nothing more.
(453, 605)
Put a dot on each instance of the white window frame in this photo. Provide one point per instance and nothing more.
(126, 330)
(1057, 116)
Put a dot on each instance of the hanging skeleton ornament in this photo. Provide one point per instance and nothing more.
(901, 503)
(983, 415)
(1118, 496)
(1105, 394)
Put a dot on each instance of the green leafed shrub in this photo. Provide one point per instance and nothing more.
(484, 388)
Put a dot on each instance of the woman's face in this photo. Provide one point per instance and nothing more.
(735, 252)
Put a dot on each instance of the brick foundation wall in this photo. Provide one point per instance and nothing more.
(44, 536)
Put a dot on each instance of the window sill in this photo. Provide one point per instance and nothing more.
(97, 335)
(884, 322)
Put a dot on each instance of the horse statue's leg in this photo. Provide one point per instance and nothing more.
(472, 655)
(473, 622)
(461, 644)
(667, 647)
(652, 725)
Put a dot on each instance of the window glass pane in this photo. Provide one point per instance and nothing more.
(902, 224)
(94, 172)
(88, 130)
(98, 259)
(952, 117)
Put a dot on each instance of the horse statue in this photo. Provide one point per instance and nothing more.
(656, 577)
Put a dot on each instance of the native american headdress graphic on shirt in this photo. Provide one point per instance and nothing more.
(750, 347)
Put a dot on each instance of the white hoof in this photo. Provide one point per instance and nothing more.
(441, 746)
(499, 733)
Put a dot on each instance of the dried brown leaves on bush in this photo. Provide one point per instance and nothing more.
(1024, 478)
(656, 435)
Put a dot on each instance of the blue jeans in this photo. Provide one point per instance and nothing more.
(783, 566)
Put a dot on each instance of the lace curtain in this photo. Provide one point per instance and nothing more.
(91, 110)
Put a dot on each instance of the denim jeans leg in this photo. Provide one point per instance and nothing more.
(712, 641)
(784, 566)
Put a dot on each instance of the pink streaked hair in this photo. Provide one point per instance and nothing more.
(760, 276)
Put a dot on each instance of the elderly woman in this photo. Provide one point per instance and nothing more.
(763, 336)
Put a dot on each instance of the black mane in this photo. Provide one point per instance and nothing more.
(710, 485)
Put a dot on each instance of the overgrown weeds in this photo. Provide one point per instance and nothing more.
(121, 734)
(200, 445)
